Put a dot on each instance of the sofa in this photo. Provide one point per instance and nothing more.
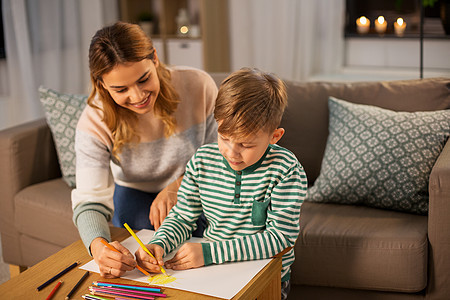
(343, 251)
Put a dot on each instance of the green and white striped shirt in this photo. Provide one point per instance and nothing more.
(251, 214)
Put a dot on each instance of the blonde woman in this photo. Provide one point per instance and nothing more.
(142, 124)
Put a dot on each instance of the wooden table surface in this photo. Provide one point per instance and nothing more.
(265, 285)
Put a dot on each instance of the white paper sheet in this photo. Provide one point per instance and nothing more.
(223, 281)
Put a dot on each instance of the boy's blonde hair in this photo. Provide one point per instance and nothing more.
(250, 100)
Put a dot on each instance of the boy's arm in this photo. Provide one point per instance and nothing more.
(180, 223)
(282, 225)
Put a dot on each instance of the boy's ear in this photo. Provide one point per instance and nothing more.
(276, 135)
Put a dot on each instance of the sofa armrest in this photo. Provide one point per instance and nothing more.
(439, 227)
(27, 156)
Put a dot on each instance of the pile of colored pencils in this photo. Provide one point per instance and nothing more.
(99, 290)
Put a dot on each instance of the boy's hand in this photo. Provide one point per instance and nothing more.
(189, 256)
(149, 263)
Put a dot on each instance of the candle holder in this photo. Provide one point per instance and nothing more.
(183, 25)
(399, 27)
(380, 25)
(362, 25)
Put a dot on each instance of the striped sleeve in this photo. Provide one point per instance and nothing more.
(181, 221)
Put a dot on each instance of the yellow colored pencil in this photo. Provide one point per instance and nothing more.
(142, 245)
(114, 249)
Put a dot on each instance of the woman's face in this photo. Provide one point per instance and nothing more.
(134, 85)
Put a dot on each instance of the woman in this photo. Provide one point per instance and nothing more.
(142, 124)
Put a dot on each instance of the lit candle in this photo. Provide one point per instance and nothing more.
(362, 25)
(380, 25)
(184, 30)
(400, 27)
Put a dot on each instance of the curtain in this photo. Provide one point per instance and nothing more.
(295, 39)
(47, 43)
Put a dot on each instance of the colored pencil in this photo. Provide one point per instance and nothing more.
(54, 290)
(57, 276)
(115, 289)
(142, 245)
(121, 297)
(127, 286)
(95, 291)
(114, 249)
(77, 285)
(92, 297)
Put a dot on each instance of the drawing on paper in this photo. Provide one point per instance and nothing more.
(161, 279)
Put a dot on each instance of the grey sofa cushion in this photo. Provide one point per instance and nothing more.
(359, 247)
(380, 158)
(62, 112)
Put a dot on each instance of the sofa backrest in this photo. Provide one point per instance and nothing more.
(306, 118)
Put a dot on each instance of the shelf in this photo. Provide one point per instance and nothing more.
(211, 17)
(394, 36)
(396, 53)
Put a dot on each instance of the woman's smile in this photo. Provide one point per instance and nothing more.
(143, 103)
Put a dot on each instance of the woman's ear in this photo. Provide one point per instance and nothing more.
(100, 83)
(276, 135)
(155, 58)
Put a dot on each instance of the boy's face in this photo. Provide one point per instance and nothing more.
(241, 154)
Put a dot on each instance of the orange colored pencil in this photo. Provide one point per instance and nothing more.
(114, 249)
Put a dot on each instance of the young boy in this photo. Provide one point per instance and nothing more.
(249, 189)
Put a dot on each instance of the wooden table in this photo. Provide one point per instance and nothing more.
(265, 285)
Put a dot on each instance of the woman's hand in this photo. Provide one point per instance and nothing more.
(112, 264)
(163, 203)
(149, 263)
(189, 256)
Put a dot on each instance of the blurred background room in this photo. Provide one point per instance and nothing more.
(45, 42)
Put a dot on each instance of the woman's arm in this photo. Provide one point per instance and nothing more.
(92, 202)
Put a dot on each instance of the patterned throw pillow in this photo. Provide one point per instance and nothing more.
(378, 157)
(62, 112)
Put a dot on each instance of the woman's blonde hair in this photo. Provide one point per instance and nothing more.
(118, 44)
(250, 100)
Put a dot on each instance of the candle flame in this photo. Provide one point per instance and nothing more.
(380, 19)
(363, 20)
(184, 29)
(400, 21)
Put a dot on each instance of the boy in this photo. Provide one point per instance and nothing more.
(249, 189)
